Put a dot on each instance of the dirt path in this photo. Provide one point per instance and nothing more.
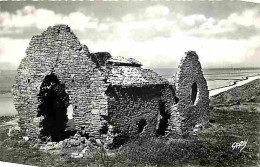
(240, 83)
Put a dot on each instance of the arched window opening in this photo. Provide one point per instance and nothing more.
(104, 129)
(176, 99)
(141, 124)
(194, 91)
(84, 133)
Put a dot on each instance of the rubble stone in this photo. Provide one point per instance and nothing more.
(192, 92)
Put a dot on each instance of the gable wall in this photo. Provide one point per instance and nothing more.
(189, 72)
(58, 51)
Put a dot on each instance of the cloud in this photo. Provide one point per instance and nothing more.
(42, 18)
(166, 52)
(29, 10)
(156, 11)
(159, 21)
(12, 50)
(248, 18)
(155, 35)
(192, 20)
(147, 23)
(160, 42)
(236, 25)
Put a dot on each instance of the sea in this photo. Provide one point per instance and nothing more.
(216, 78)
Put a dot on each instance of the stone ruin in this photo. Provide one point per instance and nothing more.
(112, 99)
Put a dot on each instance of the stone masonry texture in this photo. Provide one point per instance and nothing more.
(192, 92)
(113, 98)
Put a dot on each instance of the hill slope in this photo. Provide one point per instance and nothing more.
(248, 93)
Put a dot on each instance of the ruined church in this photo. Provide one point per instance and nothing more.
(112, 99)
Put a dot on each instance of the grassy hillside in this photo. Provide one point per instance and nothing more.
(7, 78)
(248, 93)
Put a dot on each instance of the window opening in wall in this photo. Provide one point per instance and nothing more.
(54, 102)
(104, 129)
(194, 91)
(83, 133)
(141, 124)
(163, 122)
(70, 112)
(176, 99)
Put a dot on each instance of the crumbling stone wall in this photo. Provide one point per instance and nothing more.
(57, 52)
(192, 91)
(139, 111)
(113, 99)
(135, 98)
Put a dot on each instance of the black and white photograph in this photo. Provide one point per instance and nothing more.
(130, 83)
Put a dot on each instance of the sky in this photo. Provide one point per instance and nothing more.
(225, 34)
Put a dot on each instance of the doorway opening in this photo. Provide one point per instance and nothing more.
(163, 123)
(54, 102)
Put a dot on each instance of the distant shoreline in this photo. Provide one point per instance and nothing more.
(6, 99)
(214, 92)
(6, 95)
